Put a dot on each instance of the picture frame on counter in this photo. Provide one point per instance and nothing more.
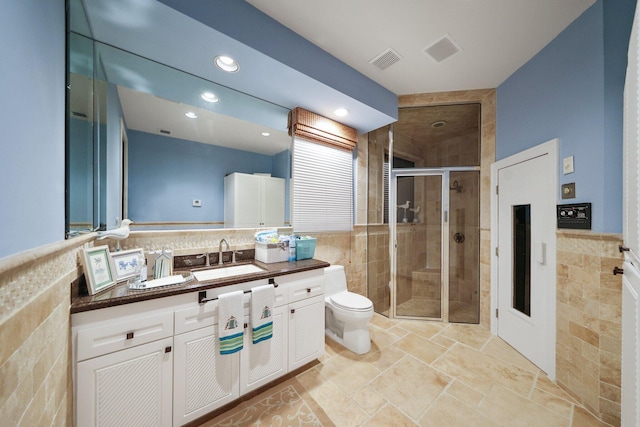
(127, 264)
(98, 269)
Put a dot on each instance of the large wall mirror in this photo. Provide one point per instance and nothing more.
(154, 144)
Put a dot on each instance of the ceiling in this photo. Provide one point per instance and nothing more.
(496, 37)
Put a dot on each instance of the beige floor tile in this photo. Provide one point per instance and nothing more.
(471, 335)
(545, 384)
(381, 338)
(499, 349)
(382, 321)
(384, 359)
(425, 329)
(338, 406)
(465, 394)
(506, 408)
(422, 349)
(389, 416)
(450, 412)
(481, 371)
(410, 385)
(348, 374)
(582, 418)
(460, 376)
(443, 341)
(369, 400)
(552, 402)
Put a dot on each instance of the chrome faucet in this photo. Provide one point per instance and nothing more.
(206, 256)
(220, 250)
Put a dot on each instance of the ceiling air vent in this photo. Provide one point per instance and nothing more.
(386, 59)
(77, 114)
(166, 132)
(443, 49)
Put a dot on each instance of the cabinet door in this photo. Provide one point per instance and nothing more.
(243, 195)
(203, 378)
(126, 388)
(273, 202)
(306, 331)
(267, 360)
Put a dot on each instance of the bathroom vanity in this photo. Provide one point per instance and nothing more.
(152, 357)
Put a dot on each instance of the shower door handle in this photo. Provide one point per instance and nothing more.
(446, 216)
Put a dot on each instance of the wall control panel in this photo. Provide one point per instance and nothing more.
(576, 216)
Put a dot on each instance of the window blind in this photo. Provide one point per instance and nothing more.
(322, 188)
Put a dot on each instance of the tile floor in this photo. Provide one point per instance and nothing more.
(417, 373)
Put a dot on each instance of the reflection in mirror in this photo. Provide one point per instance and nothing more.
(165, 169)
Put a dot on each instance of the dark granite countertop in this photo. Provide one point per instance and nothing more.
(121, 294)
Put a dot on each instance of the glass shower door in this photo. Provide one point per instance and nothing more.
(417, 228)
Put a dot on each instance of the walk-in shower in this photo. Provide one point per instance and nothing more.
(423, 215)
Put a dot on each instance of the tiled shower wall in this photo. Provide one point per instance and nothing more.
(589, 311)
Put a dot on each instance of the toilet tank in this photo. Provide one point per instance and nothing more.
(335, 279)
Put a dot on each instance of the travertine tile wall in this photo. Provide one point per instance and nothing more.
(589, 312)
(35, 355)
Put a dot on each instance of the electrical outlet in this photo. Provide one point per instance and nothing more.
(197, 203)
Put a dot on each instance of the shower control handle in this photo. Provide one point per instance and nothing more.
(458, 237)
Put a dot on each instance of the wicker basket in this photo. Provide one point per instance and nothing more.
(272, 252)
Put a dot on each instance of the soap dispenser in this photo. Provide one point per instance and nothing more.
(292, 248)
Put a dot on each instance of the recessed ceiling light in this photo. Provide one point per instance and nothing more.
(227, 64)
(341, 112)
(265, 134)
(210, 97)
(191, 115)
(438, 124)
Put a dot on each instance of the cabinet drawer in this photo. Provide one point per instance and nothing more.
(308, 288)
(124, 333)
(193, 318)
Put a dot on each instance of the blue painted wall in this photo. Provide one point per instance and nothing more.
(32, 165)
(166, 174)
(572, 90)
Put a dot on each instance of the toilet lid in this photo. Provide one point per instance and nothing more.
(351, 301)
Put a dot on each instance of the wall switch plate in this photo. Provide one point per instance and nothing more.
(567, 165)
(197, 203)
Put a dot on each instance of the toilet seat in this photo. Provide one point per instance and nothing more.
(351, 301)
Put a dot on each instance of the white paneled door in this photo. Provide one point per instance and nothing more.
(525, 253)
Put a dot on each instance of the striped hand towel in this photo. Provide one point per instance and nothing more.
(262, 298)
(230, 322)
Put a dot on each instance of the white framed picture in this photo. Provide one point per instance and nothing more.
(98, 269)
(127, 264)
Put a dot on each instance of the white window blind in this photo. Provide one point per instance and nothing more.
(322, 188)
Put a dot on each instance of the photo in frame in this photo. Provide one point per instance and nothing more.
(97, 269)
(126, 264)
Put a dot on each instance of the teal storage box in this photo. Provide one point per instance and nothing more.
(305, 248)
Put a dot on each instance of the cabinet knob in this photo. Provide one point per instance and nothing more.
(129, 335)
(308, 290)
(293, 310)
(167, 349)
(246, 325)
(622, 248)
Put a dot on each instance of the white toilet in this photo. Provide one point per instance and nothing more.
(347, 314)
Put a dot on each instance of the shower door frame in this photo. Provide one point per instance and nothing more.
(444, 173)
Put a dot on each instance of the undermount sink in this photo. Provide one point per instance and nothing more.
(225, 272)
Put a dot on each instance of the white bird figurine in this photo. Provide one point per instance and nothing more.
(405, 207)
(416, 214)
(117, 234)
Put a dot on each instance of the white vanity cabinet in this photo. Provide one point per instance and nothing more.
(253, 201)
(203, 379)
(265, 361)
(306, 319)
(157, 362)
(124, 372)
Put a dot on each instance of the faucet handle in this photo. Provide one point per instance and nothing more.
(234, 255)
